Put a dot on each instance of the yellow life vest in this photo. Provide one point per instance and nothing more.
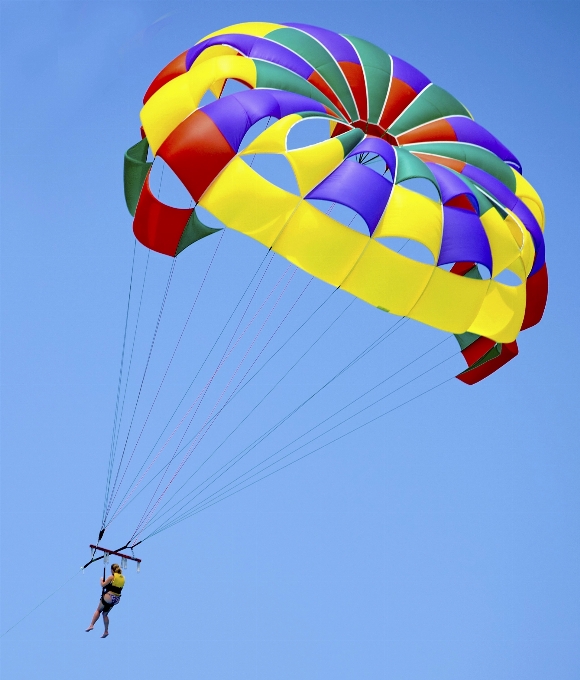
(118, 580)
(116, 585)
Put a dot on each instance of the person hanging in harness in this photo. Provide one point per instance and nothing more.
(112, 587)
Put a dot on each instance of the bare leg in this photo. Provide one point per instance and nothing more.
(106, 622)
(95, 619)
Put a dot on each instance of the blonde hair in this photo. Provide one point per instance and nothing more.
(116, 568)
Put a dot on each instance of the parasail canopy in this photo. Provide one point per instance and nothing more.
(487, 219)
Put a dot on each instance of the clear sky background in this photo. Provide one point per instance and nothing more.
(440, 543)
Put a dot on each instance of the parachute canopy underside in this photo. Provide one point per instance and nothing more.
(487, 218)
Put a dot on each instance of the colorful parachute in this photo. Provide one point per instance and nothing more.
(487, 216)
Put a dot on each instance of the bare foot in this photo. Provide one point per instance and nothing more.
(88, 630)
(105, 634)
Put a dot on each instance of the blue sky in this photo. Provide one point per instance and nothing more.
(439, 543)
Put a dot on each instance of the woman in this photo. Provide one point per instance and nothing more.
(112, 587)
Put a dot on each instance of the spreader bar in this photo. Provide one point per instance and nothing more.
(106, 552)
(114, 552)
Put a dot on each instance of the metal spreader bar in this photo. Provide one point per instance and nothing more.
(106, 552)
(114, 552)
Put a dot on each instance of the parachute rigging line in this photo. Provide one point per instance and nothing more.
(201, 395)
(119, 382)
(236, 393)
(107, 493)
(54, 592)
(272, 389)
(272, 429)
(142, 381)
(204, 391)
(217, 493)
(229, 349)
(171, 360)
(132, 350)
(116, 436)
(210, 421)
(215, 342)
(369, 348)
(197, 438)
(233, 461)
(204, 506)
(199, 434)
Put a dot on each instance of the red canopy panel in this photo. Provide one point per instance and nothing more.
(172, 70)
(474, 375)
(536, 297)
(158, 226)
(196, 151)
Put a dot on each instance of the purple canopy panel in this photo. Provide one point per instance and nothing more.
(377, 146)
(409, 74)
(507, 198)
(255, 47)
(338, 46)
(234, 115)
(359, 188)
(262, 102)
(469, 131)
(464, 239)
(290, 102)
(451, 185)
(492, 185)
(258, 104)
(231, 118)
(242, 43)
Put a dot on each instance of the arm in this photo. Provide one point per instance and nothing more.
(105, 582)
